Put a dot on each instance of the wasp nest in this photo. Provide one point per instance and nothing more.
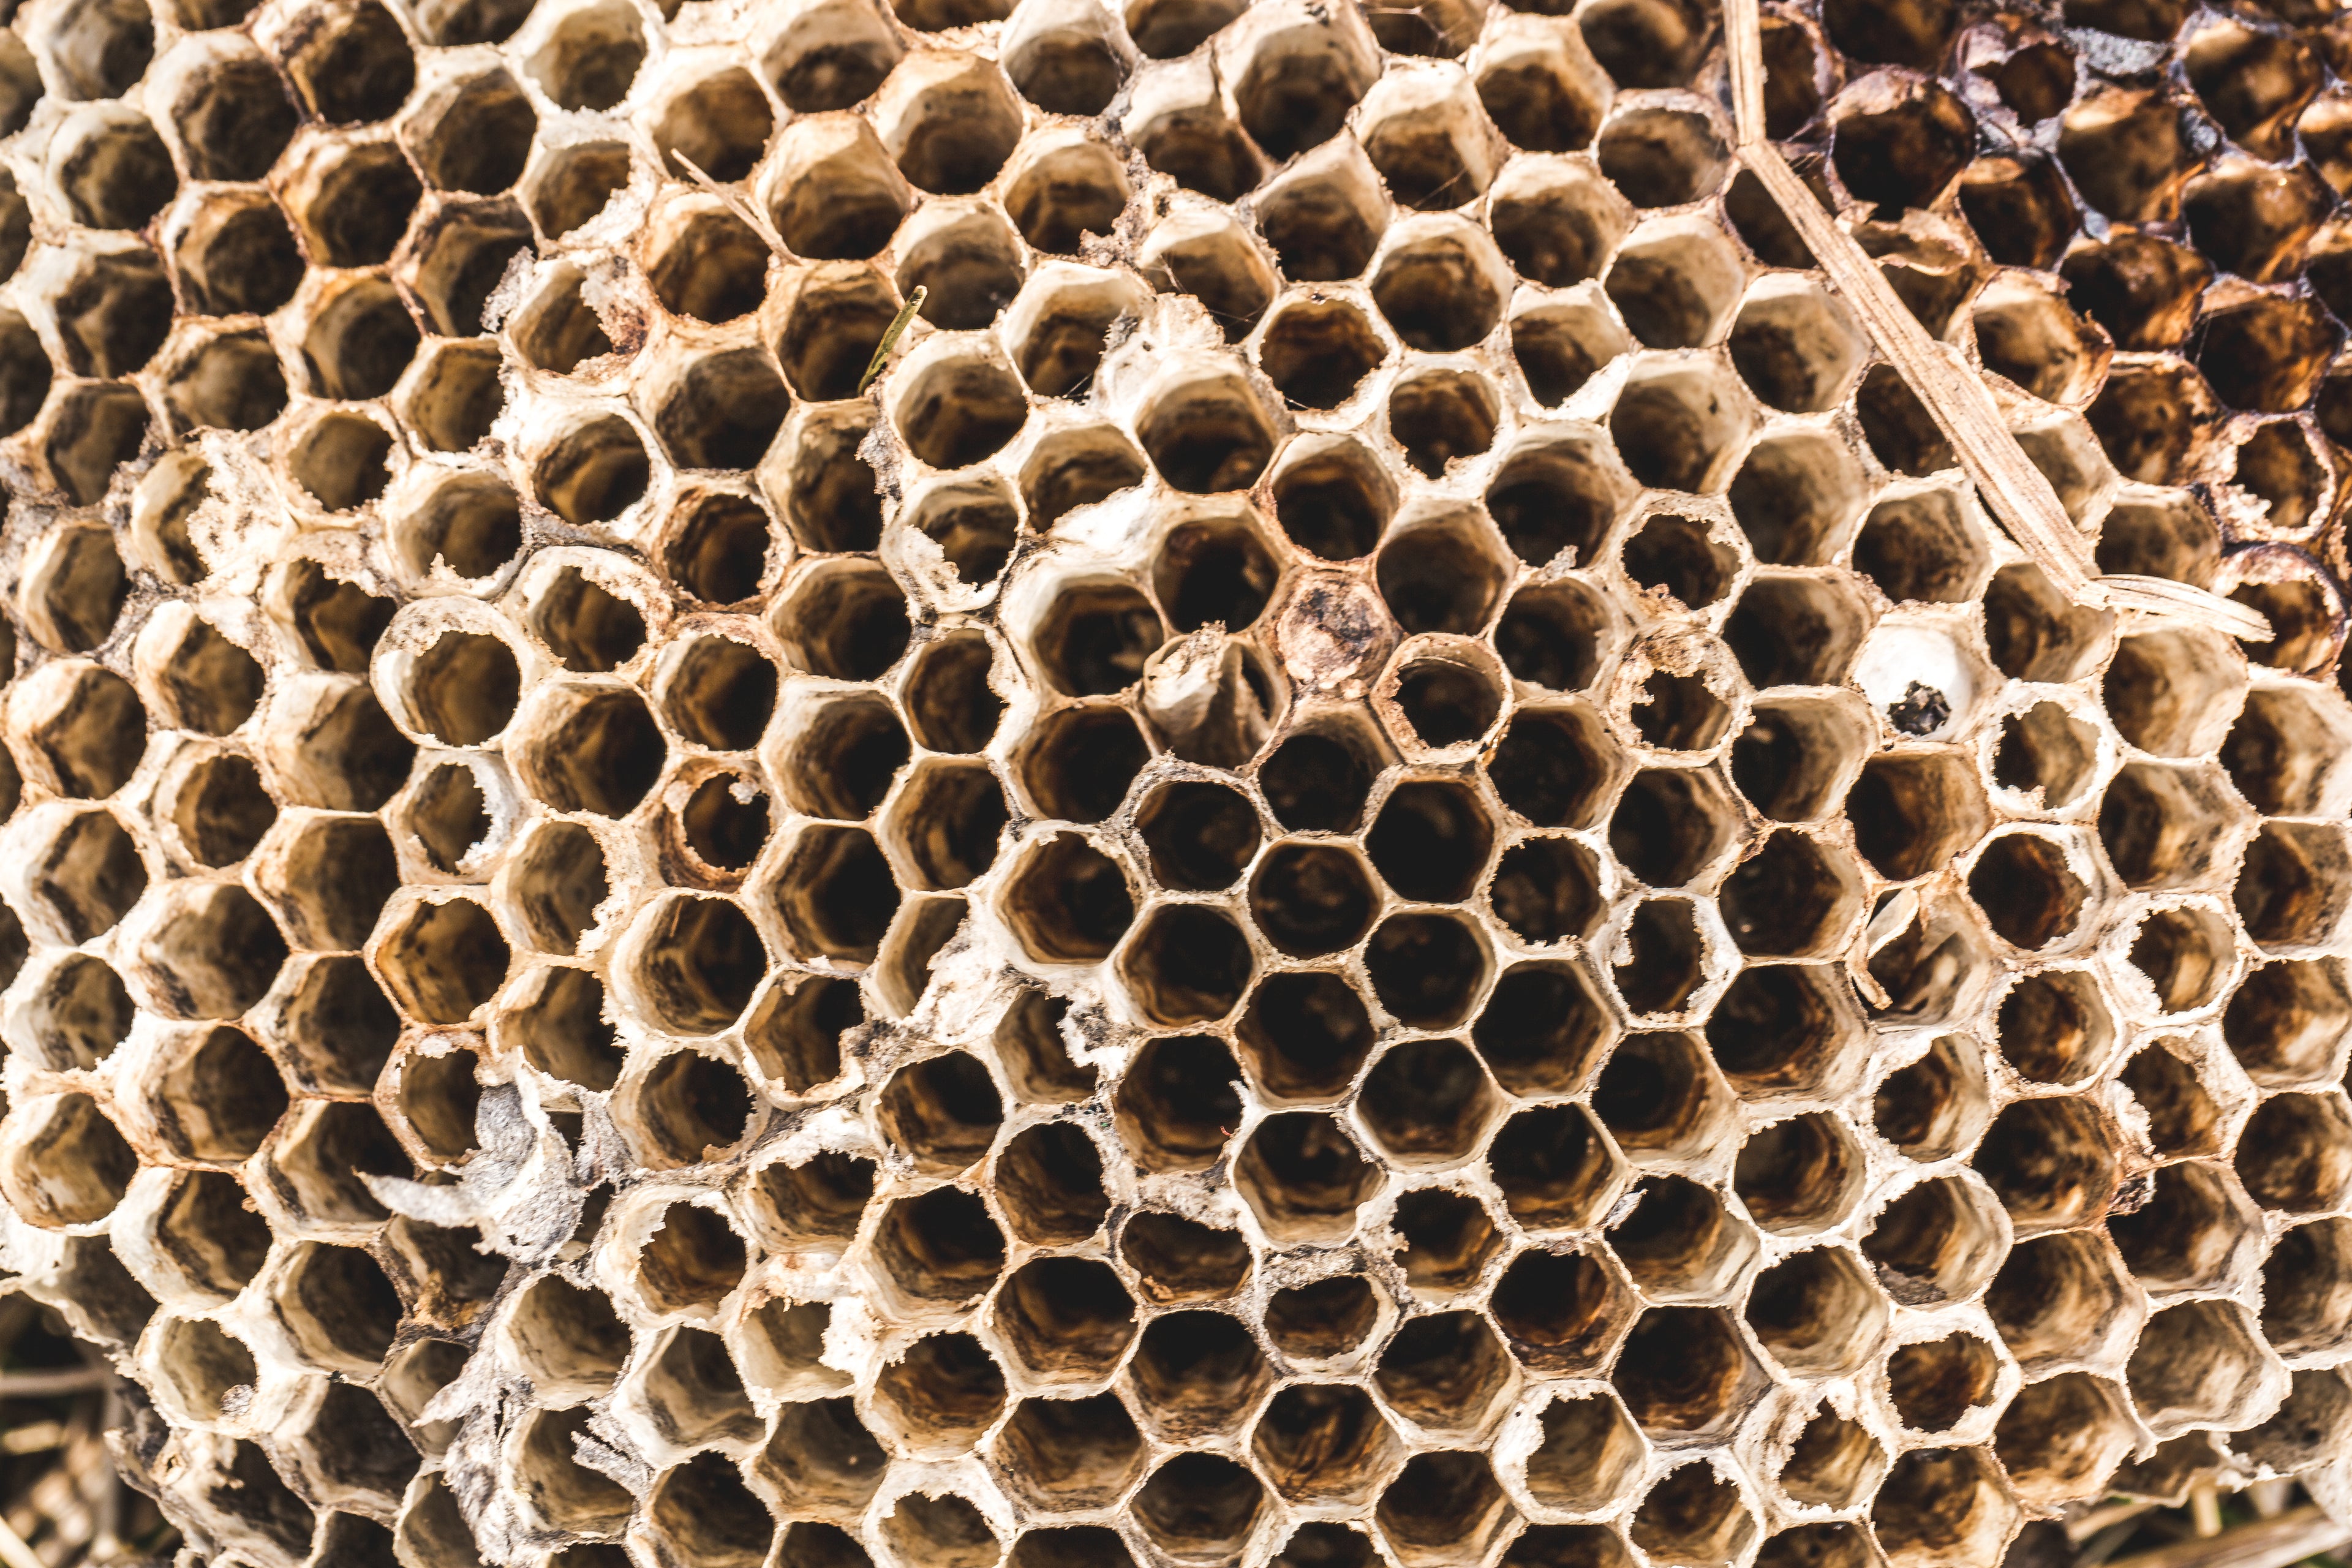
(1377, 864)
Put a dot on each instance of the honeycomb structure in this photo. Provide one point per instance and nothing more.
(1379, 864)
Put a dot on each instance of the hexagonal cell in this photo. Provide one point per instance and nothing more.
(1197, 1372)
(1943, 1506)
(2197, 1363)
(336, 1303)
(2050, 1161)
(1683, 1373)
(565, 1493)
(1554, 1167)
(822, 1462)
(1674, 285)
(1327, 1319)
(1442, 1507)
(1324, 1443)
(1428, 1102)
(1937, 1242)
(1448, 1240)
(1439, 416)
(1311, 899)
(1069, 1453)
(1178, 1259)
(1675, 426)
(1200, 1508)
(2295, 1153)
(1304, 1178)
(566, 1338)
(1834, 1463)
(692, 1262)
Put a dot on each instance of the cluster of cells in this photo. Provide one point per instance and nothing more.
(1366, 859)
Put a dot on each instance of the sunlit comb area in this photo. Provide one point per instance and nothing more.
(1368, 860)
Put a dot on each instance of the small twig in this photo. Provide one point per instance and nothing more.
(1958, 400)
(890, 336)
(2098, 1519)
(756, 220)
(2205, 1509)
(2275, 1542)
(16, 1551)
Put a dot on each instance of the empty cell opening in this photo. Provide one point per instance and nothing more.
(1678, 713)
(1834, 1462)
(2286, 891)
(1430, 841)
(717, 550)
(2296, 1152)
(475, 135)
(2188, 1235)
(719, 122)
(444, 960)
(1551, 767)
(1441, 416)
(2194, 1364)
(943, 1393)
(1935, 1107)
(557, 329)
(1322, 1441)
(1670, 824)
(575, 183)
(1333, 502)
(701, 961)
(337, 1030)
(338, 1303)
(843, 205)
(456, 397)
(1076, 468)
(1323, 225)
(2053, 1028)
(818, 1205)
(1426, 969)
(1318, 351)
(1448, 703)
(1441, 1504)
(975, 526)
(597, 750)
(113, 315)
(1200, 1508)
(235, 255)
(114, 171)
(1816, 1313)
(1546, 890)
(1439, 293)
(1789, 899)
(949, 701)
(1679, 556)
(1066, 193)
(1661, 157)
(2186, 956)
(566, 1493)
(1559, 235)
(1069, 70)
(1559, 349)
(1312, 899)
(2046, 751)
(1188, 964)
(1540, 1029)
(1930, 1245)
(1678, 1239)
(462, 252)
(210, 1236)
(87, 876)
(472, 524)
(1306, 1034)
(1177, 1103)
(943, 1111)
(1443, 1372)
(1937, 1384)
(1552, 1167)
(1912, 814)
(358, 205)
(940, 1247)
(2049, 1162)
(335, 876)
(591, 56)
(704, 1514)
(846, 621)
(1545, 499)
(838, 894)
(1557, 1309)
(24, 373)
(722, 411)
(694, 1107)
(691, 1261)
(340, 462)
(1671, 428)
(217, 1096)
(1199, 834)
(954, 817)
(462, 689)
(593, 472)
(1050, 1180)
(69, 1165)
(1540, 95)
(1684, 1372)
(1317, 782)
(2284, 1020)
(836, 322)
(1070, 1453)
(954, 135)
(1207, 435)
(1066, 1317)
(2304, 1285)
(822, 1460)
(958, 411)
(1205, 254)
(1166, 30)
(1795, 1177)
(1202, 150)
(1779, 1027)
(1069, 903)
(1178, 1259)
(1082, 760)
(568, 1337)
(2027, 890)
(231, 382)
